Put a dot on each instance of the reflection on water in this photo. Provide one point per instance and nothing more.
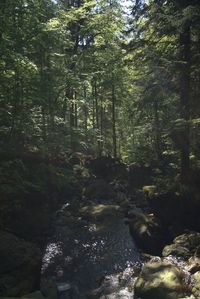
(88, 252)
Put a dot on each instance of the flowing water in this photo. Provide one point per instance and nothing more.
(87, 248)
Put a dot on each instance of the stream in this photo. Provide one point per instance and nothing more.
(91, 253)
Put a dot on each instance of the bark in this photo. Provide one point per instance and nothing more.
(114, 121)
(185, 47)
(157, 131)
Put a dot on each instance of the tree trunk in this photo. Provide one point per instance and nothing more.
(85, 112)
(185, 47)
(114, 121)
(157, 131)
(97, 117)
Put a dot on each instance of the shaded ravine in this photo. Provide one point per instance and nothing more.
(89, 246)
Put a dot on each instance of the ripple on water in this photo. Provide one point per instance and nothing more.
(89, 253)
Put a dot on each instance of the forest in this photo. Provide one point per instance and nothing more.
(100, 149)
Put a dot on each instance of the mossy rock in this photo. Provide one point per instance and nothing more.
(176, 250)
(196, 286)
(20, 265)
(160, 280)
(184, 245)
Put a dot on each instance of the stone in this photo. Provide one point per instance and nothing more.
(108, 168)
(34, 295)
(196, 285)
(99, 189)
(194, 264)
(147, 231)
(20, 265)
(184, 245)
(100, 212)
(160, 280)
(176, 250)
(122, 294)
(49, 288)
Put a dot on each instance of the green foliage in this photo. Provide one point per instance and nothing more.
(86, 77)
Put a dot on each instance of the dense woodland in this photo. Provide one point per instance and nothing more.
(111, 82)
(83, 76)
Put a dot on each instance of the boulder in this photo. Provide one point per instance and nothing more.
(99, 189)
(34, 295)
(147, 231)
(160, 280)
(108, 168)
(177, 210)
(185, 245)
(196, 285)
(176, 250)
(20, 265)
(194, 264)
(139, 175)
(168, 207)
(115, 286)
(100, 212)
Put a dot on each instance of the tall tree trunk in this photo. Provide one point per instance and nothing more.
(97, 117)
(114, 120)
(185, 47)
(72, 120)
(101, 124)
(75, 111)
(157, 131)
(85, 112)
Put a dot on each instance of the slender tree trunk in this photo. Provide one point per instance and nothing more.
(72, 120)
(75, 111)
(101, 124)
(114, 120)
(157, 131)
(44, 135)
(185, 47)
(97, 117)
(85, 112)
(96, 104)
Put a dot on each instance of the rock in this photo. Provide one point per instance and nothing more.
(177, 210)
(20, 265)
(147, 231)
(185, 245)
(34, 295)
(122, 294)
(100, 212)
(99, 189)
(115, 286)
(49, 288)
(176, 250)
(168, 207)
(160, 280)
(196, 285)
(108, 168)
(194, 264)
(63, 286)
(139, 175)
(189, 239)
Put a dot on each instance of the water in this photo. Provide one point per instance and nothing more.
(89, 246)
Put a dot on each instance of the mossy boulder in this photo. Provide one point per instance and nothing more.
(176, 250)
(185, 245)
(100, 212)
(20, 265)
(99, 189)
(160, 280)
(147, 231)
(196, 285)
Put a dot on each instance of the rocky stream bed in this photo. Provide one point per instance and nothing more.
(110, 243)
